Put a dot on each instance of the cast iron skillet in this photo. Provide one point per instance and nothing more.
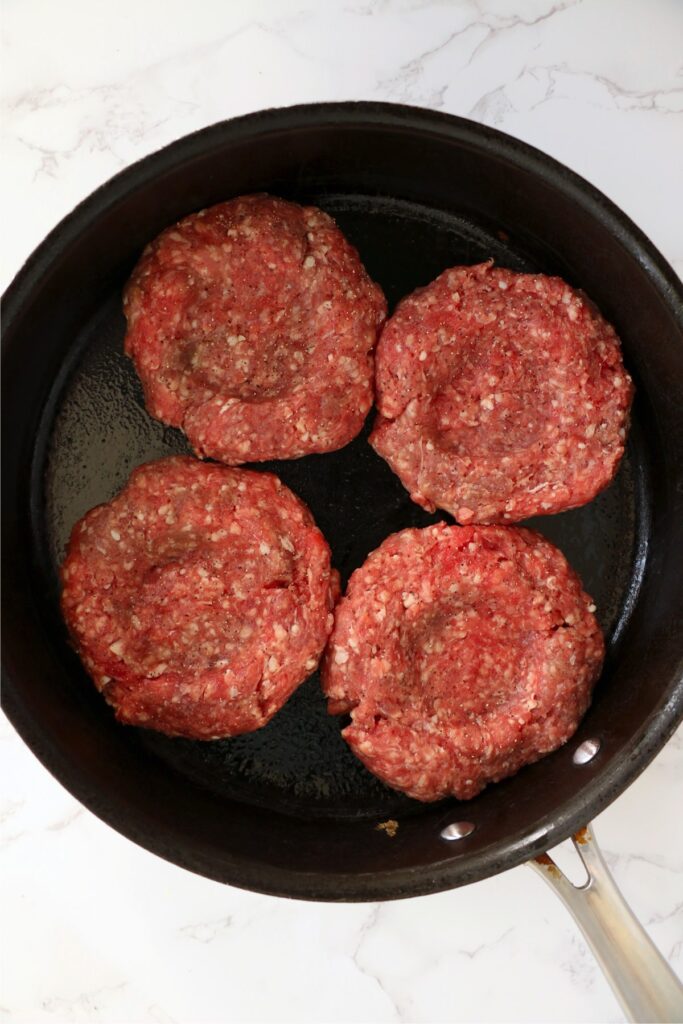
(288, 810)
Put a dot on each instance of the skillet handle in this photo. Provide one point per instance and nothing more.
(646, 987)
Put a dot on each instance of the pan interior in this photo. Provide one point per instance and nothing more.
(95, 430)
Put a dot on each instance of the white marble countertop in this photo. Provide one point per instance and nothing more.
(96, 929)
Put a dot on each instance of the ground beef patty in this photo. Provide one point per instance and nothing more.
(199, 598)
(252, 326)
(500, 395)
(462, 653)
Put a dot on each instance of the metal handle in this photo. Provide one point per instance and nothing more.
(643, 982)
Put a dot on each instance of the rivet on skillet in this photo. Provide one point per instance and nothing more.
(457, 830)
(586, 751)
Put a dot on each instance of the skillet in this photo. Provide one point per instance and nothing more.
(288, 810)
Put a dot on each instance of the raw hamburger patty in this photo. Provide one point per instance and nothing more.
(199, 598)
(252, 326)
(462, 653)
(500, 395)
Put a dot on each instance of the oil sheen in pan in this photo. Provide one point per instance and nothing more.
(96, 430)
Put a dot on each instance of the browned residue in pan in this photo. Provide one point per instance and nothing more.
(582, 836)
(390, 827)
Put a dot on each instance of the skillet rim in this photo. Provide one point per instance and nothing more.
(452, 870)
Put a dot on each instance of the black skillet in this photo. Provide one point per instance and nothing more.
(288, 810)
